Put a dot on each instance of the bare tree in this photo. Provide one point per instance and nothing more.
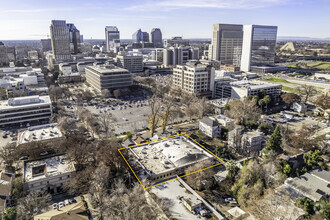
(155, 107)
(307, 91)
(32, 204)
(3, 93)
(105, 93)
(289, 98)
(200, 180)
(55, 93)
(243, 111)
(117, 93)
(130, 204)
(67, 123)
(106, 120)
(99, 187)
(169, 106)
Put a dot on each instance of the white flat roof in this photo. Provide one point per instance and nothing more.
(163, 155)
(39, 134)
(53, 166)
(26, 101)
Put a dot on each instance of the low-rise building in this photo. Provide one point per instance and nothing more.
(65, 68)
(191, 203)
(49, 174)
(6, 178)
(245, 142)
(224, 120)
(313, 185)
(166, 158)
(210, 127)
(25, 111)
(76, 211)
(230, 68)
(246, 88)
(39, 133)
(33, 55)
(108, 77)
(299, 107)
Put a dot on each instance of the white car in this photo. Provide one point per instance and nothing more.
(60, 204)
(55, 206)
(66, 202)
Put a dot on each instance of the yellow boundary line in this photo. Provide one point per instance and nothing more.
(222, 162)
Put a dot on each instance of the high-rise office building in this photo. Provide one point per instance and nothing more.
(179, 55)
(46, 44)
(75, 46)
(145, 36)
(140, 36)
(60, 38)
(259, 44)
(4, 60)
(112, 37)
(137, 36)
(156, 37)
(226, 45)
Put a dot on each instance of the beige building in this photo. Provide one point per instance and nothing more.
(133, 64)
(49, 174)
(74, 211)
(195, 79)
(245, 142)
(226, 43)
(108, 77)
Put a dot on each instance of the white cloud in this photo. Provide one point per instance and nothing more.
(168, 5)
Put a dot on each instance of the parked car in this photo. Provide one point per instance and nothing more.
(54, 206)
(72, 201)
(60, 204)
(66, 202)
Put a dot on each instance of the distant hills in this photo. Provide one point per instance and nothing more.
(294, 38)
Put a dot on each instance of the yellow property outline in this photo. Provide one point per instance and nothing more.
(222, 162)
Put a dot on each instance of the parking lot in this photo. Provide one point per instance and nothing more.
(128, 117)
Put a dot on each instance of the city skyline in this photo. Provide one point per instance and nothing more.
(22, 20)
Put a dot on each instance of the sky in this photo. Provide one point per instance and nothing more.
(30, 19)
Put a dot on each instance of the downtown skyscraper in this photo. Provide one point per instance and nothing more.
(226, 45)
(243, 45)
(259, 46)
(156, 37)
(112, 37)
(60, 39)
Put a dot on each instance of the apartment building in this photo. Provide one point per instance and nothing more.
(210, 127)
(195, 79)
(133, 64)
(247, 143)
(49, 174)
(25, 111)
(108, 77)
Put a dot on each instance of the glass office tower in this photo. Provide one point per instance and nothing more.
(259, 43)
(263, 45)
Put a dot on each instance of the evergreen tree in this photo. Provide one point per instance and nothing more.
(275, 141)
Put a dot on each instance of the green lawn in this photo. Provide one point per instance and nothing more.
(278, 80)
(289, 89)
